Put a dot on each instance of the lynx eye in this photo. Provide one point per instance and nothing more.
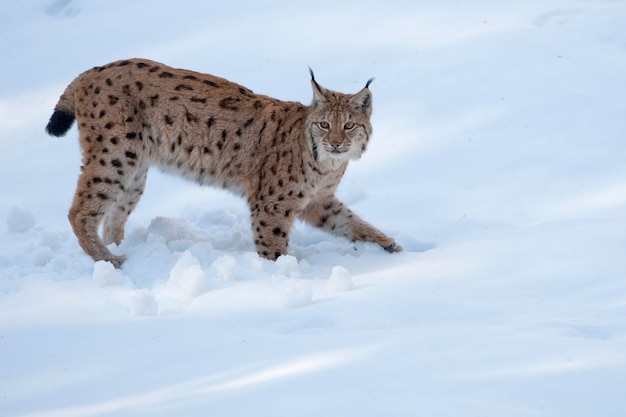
(349, 126)
(324, 125)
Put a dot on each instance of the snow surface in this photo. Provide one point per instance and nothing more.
(497, 162)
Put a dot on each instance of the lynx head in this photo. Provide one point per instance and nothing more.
(338, 125)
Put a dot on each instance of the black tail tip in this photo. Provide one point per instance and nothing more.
(60, 122)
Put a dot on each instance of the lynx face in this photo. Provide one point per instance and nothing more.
(338, 125)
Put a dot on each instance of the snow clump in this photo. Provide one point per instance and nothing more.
(105, 274)
(297, 294)
(187, 280)
(20, 220)
(340, 279)
(287, 265)
(143, 303)
(224, 268)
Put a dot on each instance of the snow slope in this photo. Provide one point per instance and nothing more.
(497, 162)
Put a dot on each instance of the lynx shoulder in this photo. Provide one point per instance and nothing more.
(285, 158)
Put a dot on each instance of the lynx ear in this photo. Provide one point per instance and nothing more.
(319, 92)
(363, 99)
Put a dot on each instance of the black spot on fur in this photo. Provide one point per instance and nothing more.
(229, 103)
(168, 120)
(141, 65)
(210, 83)
(166, 74)
(116, 163)
(123, 63)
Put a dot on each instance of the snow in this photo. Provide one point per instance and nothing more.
(497, 162)
(20, 220)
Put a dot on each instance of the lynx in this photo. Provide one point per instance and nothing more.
(285, 158)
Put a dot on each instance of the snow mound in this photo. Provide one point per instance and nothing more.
(340, 279)
(296, 293)
(287, 265)
(105, 274)
(187, 279)
(143, 303)
(20, 220)
(224, 268)
(170, 229)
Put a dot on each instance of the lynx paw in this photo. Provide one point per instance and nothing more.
(394, 247)
(117, 261)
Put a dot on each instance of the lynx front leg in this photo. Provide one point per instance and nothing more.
(271, 225)
(333, 216)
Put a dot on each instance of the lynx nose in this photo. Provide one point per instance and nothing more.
(340, 147)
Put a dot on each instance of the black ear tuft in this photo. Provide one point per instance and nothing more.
(319, 92)
(367, 84)
(362, 101)
(319, 87)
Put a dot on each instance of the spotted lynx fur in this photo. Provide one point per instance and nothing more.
(285, 158)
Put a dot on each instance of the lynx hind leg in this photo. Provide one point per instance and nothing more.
(92, 200)
(116, 216)
(333, 216)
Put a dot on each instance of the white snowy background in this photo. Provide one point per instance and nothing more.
(498, 161)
